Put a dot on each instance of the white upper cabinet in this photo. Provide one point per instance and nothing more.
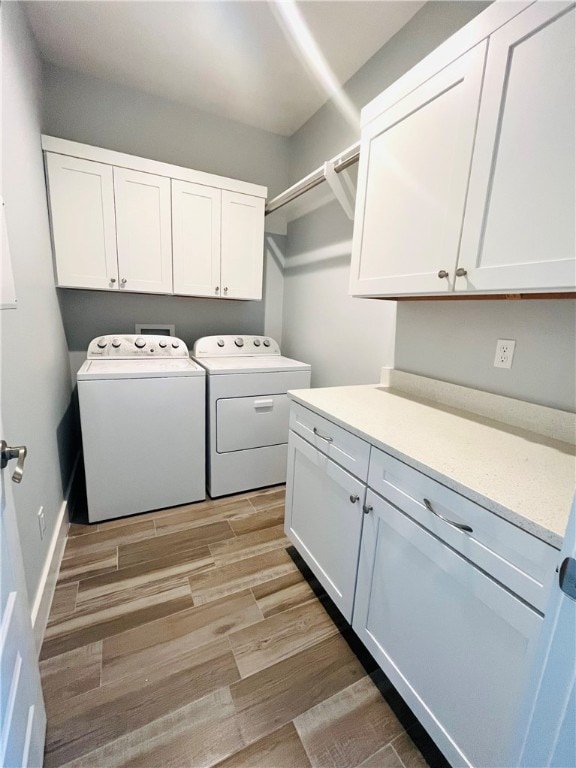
(466, 180)
(218, 242)
(519, 225)
(83, 222)
(139, 225)
(242, 246)
(196, 238)
(143, 231)
(415, 163)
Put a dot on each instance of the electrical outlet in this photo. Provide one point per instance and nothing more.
(504, 353)
(42, 522)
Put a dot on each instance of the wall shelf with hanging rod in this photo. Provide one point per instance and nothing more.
(339, 163)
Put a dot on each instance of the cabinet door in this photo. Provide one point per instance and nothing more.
(453, 641)
(81, 196)
(324, 519)
(143, 224)
(520, 222)
(414, 167)
(242, 259)
(196, 211)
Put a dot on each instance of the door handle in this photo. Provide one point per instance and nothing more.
(265, 402)
(7, 453)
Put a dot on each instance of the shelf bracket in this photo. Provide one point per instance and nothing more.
(342, 192)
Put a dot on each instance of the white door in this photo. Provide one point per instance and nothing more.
(196, 211)
(22, 714)
(324, 519)
(547, 727)
(242, 259)
(520, 221)
(451, 639)
(144, 231)
(414, 167)
(81, 196)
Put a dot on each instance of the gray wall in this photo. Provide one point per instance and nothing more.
(454, 341)
(85, 109)
(345, 340)
(35, 373)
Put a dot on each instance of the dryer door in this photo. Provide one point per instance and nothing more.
(251, 422)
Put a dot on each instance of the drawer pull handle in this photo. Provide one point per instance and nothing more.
(354, 498)
(460, 526)
(367, 508)
(328, 439)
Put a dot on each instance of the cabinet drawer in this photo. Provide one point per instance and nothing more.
(343, 447)
(518, 560)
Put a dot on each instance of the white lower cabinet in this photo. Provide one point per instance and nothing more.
(439, 589)
(452, 640)
(324, 519)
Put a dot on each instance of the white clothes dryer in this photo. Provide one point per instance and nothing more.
(142, 413)
(247, 410)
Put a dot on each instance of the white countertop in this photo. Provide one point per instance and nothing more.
(525, 477)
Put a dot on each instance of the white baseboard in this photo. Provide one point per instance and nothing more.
(47, 584)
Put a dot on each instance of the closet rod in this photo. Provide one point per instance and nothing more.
(342, 161)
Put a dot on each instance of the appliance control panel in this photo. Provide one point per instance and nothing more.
(130, 345)
(234, 346)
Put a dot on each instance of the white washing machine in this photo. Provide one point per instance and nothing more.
(142, 411)
(247, 410)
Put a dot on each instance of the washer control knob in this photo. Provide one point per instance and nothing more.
(175, 344)
(140, 342)
(162, 344)
(102, 343)
(116, 343)
(266, 342)
(239, 341)
(256, 342)
(220, 342)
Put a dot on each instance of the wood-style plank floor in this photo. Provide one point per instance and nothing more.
(188, 637)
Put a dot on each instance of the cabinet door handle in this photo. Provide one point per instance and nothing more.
(367, 508)
(460, 526)
(461, 272)
(354, 498)
(442, 274)
(322, 437)
(217, 289)
(123, 281)
(225, 290)
(112, 280)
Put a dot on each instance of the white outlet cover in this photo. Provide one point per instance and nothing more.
(504, 353)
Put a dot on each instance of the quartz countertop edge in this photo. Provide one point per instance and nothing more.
(532, 488)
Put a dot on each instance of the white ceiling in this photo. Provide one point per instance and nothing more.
(227, 57)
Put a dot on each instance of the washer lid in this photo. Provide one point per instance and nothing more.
(138, 369)
(258, 364)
